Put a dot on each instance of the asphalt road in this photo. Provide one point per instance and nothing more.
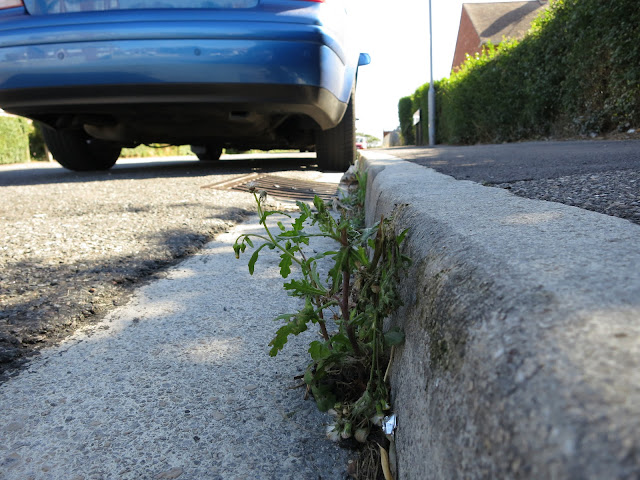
(40, 173)
(513, 162)
(74, 245)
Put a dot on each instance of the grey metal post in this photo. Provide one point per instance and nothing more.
(432, 90)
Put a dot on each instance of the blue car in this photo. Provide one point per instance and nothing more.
(100, 75)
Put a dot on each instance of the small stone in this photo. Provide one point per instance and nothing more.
(218, 416)
(11, 459)
(170, 474)
(14, 427)
(250, 388)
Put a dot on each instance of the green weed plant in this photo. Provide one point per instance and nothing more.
(349, 304)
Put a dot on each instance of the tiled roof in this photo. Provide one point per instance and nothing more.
(493, 21)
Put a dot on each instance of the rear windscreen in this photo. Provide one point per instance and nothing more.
(43, 7)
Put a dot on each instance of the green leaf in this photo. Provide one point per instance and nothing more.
(279, 340)
(308, 377)
(253, 260)
(318, 351)
(293, 234)
(361, 256)
(313, 274)
(325, 399)
(395, 336)
(304, 209)
(303, 287)
(298, 223)
(266, 214)
(341, 341)
(370, 232)
(254, 257)
(248, 240)
(400, 238)
(281, 226)
(322, 255)
(319, 204)
(285, 265)
(336, 272)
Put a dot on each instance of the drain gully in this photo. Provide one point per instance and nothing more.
(280, 187)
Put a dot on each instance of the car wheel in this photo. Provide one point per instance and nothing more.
(336, 147)
(207, 153)
(76, 150)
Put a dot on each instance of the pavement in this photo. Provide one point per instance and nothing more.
(521, 360)
(177, 384)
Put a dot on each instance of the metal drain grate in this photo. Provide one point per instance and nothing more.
(280, 187)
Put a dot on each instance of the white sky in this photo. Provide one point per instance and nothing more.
(396, 35)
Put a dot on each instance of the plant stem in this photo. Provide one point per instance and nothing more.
(323, 328)
(374, 353)
(378, 245)
(344, 304)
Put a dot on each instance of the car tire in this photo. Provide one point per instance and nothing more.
(76, 150)
(207, 153)
(336, 147)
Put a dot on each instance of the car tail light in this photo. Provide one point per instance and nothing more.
(11, 4)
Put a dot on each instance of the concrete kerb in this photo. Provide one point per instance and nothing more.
(522, 352)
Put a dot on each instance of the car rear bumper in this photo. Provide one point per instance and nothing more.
(64, 65)
(156, 100)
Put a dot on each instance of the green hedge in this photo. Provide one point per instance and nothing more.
(405, 112)
(147, 151)
(576, 72)
(36, 144)
(14, 140)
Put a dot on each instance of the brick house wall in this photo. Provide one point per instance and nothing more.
(492, 22)
(468, 40)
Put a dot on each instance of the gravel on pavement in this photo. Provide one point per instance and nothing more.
(615, 193)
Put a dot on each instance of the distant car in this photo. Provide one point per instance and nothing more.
(100, 75)
(361, 143)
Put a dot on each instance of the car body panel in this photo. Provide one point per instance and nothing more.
(266, 67)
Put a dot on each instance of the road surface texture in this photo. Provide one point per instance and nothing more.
(177, 384)
(74, 245)
(602, 176)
